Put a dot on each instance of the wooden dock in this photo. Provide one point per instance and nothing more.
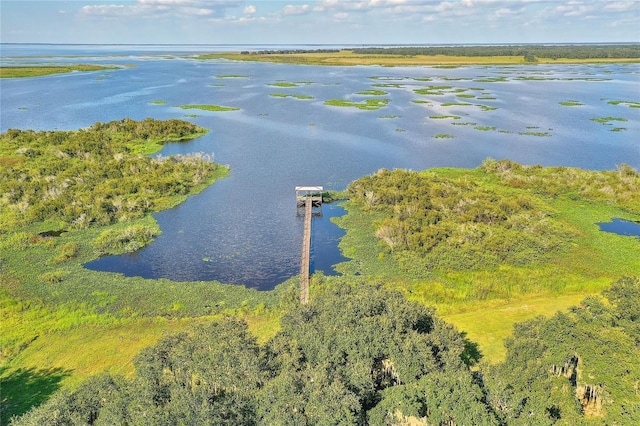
(307, 197)
(306, 253)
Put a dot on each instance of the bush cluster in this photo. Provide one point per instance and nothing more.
(96, 176)
(458, 223)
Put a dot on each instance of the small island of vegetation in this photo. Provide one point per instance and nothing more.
(38, 71)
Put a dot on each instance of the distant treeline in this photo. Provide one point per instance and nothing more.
(541, 51)
(288, 51)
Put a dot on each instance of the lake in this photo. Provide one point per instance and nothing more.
(244, 229)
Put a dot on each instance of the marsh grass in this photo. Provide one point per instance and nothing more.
(571, 103)
(629, 104)
(485, 128)
(285, 95)
(372, 93)
(350, 58)
(444, 117)
(368, 105)
(608, 120)
(39, 71)
(215, 108)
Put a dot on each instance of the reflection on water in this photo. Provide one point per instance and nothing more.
(244, 228)
(621, 227)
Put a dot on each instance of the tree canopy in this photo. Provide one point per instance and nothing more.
(359, 354)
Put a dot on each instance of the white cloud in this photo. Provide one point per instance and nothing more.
(154, 8)
(291, 9)
(341, 16)
(250, 10)
(106, 10)
(622, 6)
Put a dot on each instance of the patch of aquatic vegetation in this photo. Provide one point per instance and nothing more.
(284, 95)
(369, 104)
(433, 90)
(538, 78)
(423, 79)
(464, 123)
(444, 117)
(421, 101)
(630, 104)
(607, 120)
(389, 78)
(215, 108)
(389, 85)
(232, 76)
(618, 129)
(487, 98)
(466, 95)
(485, 128)
(283, 84)
(390, 116)
(216, 85)
(373, 92)
(192, 115)
(399, 130)
(443, 136)
(486, 107)
(538, 134)
(446, 104)
(38, 71)
(491, 79)
(571, 103)
(158, 102)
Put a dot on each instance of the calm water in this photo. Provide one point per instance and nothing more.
(621, 227)
(244, 229)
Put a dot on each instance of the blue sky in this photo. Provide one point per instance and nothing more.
(320, 22)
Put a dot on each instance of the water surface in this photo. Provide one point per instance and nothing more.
(621, 227)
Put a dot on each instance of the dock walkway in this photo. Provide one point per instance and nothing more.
(307, 197)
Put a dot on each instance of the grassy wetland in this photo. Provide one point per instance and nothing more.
(444, 56)
(39, 71)
(484, 248)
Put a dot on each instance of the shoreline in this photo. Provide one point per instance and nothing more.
(353, 59)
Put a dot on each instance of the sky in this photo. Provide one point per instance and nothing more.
(329, 22)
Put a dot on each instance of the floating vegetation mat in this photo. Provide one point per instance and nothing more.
(607, 120)
(630, 104)
(216, 108)
(369, 104)
(284, 95)
(372, 92)
(444, 117)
